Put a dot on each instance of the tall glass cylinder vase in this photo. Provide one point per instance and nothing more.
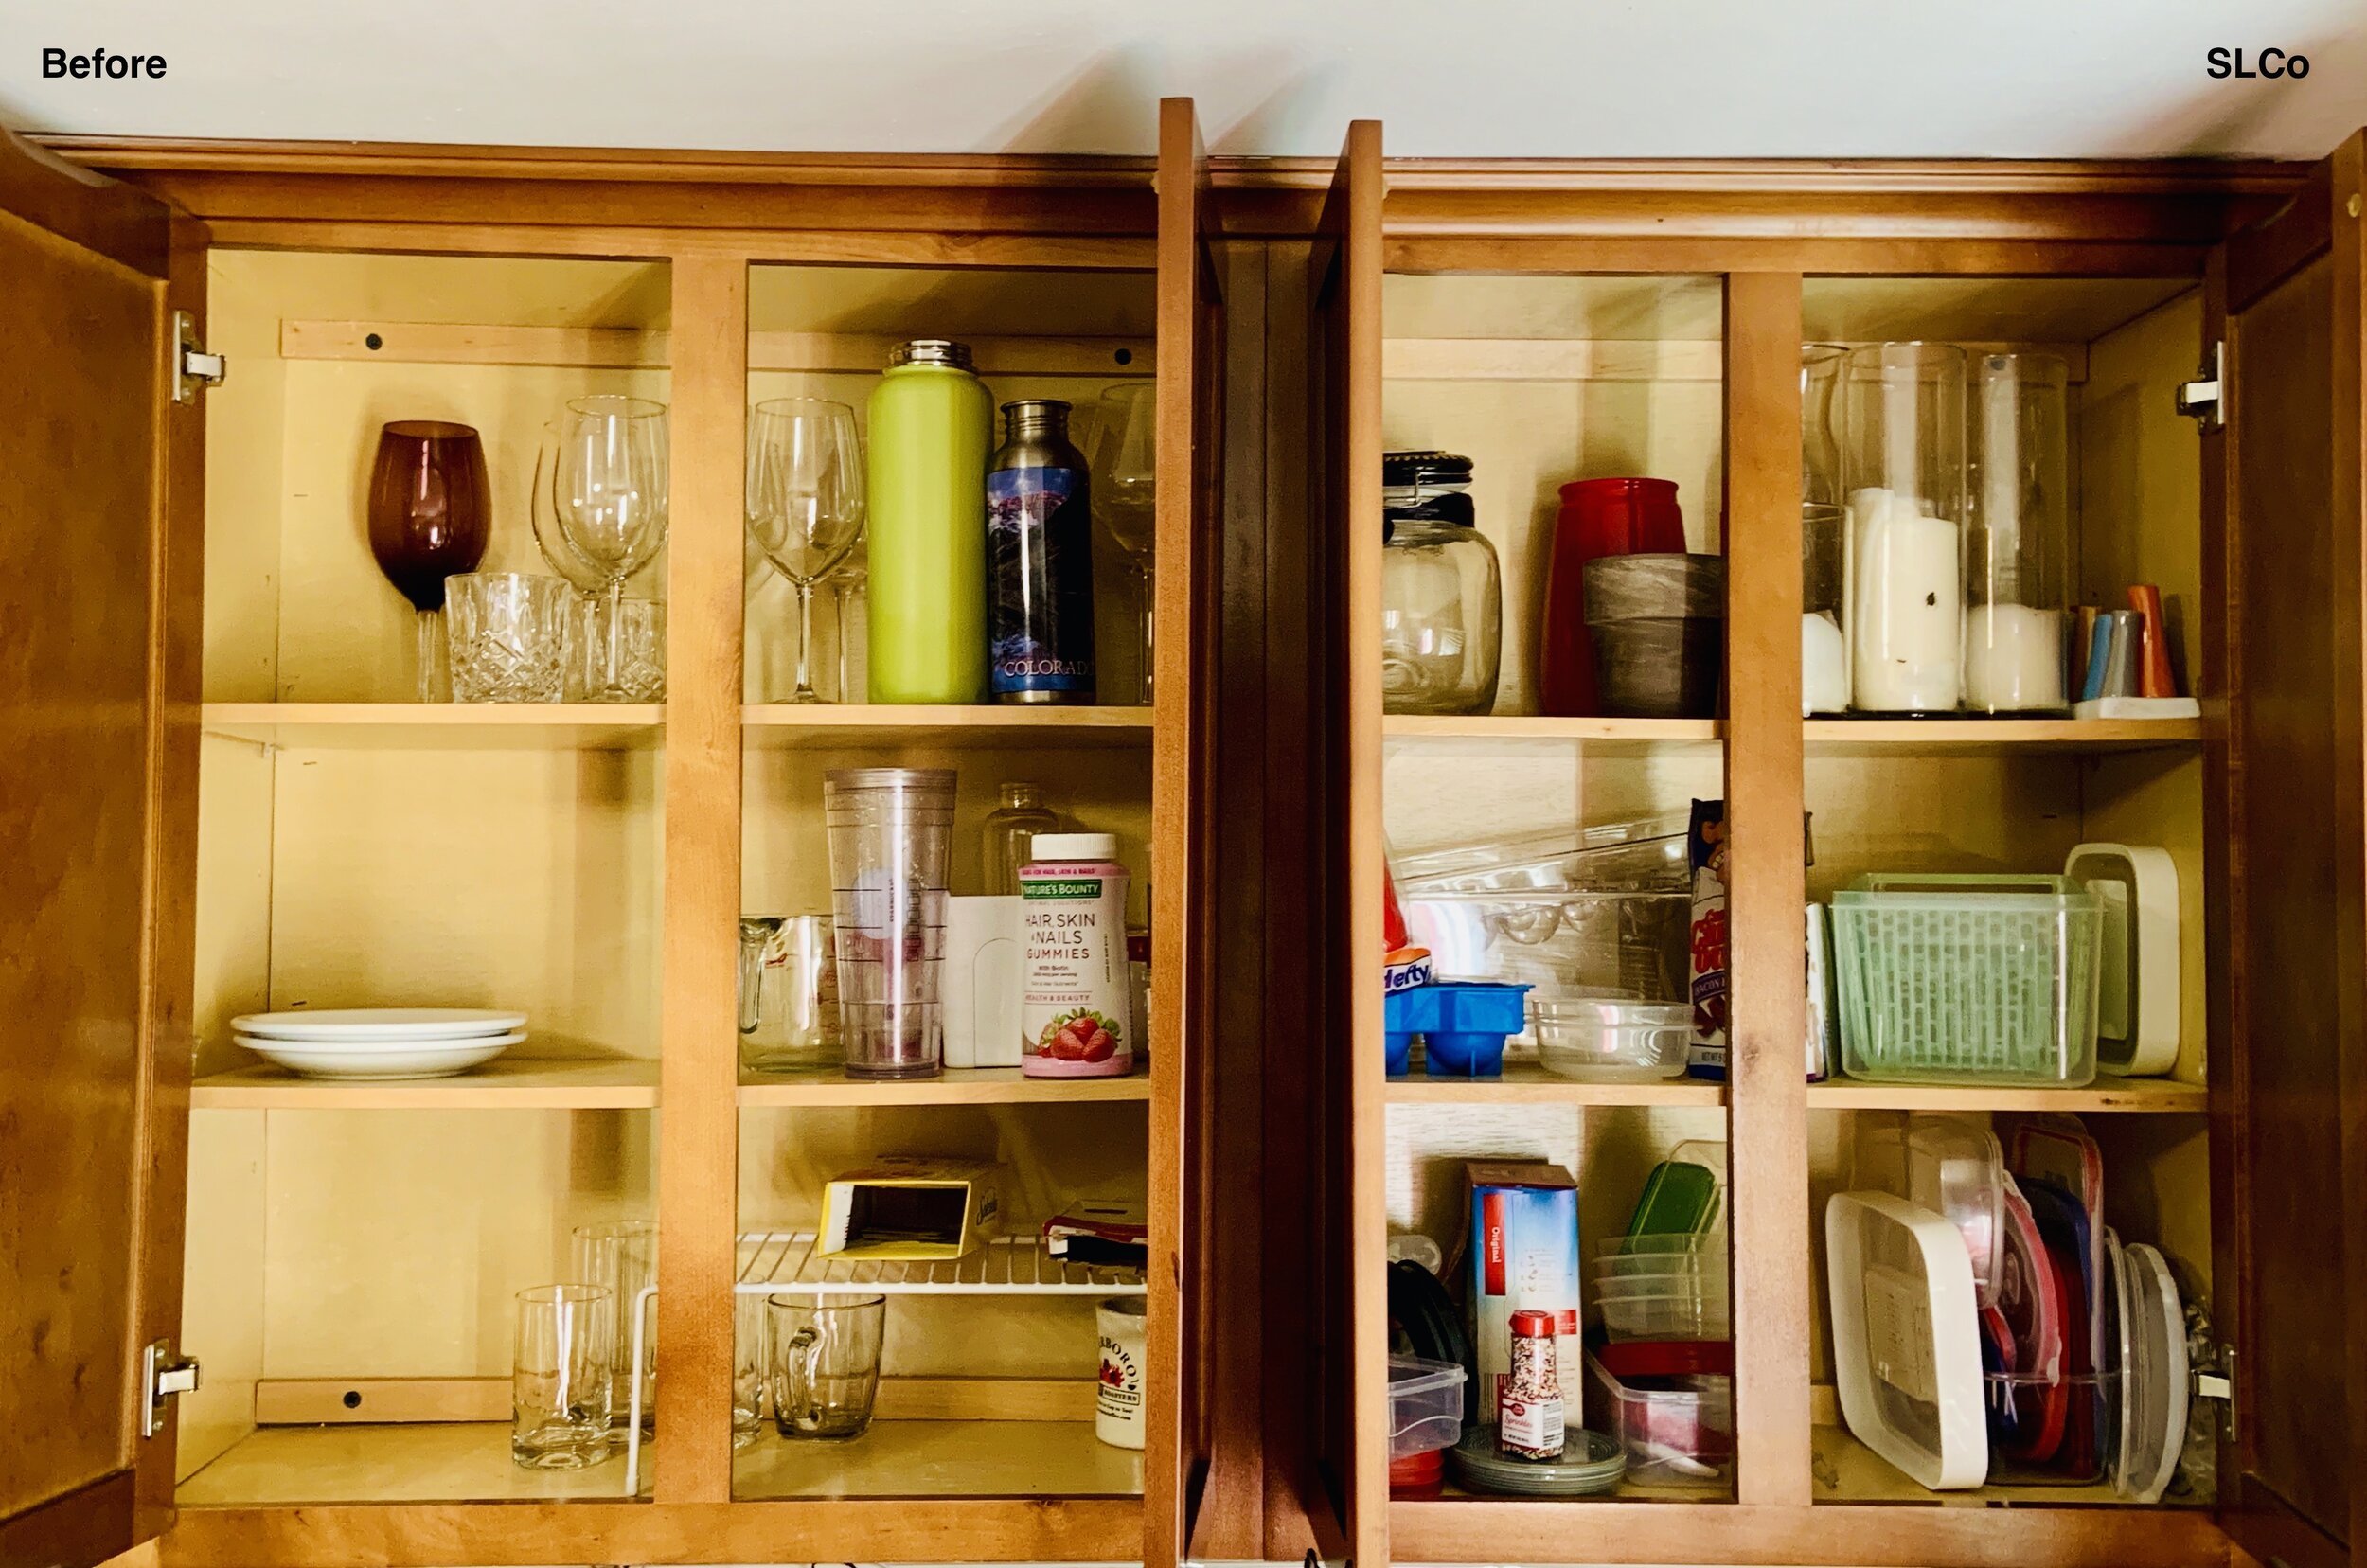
(2018, 538)
(1903, 472)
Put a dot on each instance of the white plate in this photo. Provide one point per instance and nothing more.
(380, 1024)
(395, 1061)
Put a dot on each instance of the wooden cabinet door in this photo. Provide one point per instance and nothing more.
(2289, 982)
(1185, 549)
(1352, 1436)
(98, 810)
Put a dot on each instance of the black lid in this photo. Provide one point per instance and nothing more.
(1415, 468)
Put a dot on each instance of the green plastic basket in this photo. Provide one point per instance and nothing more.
(1968, 979)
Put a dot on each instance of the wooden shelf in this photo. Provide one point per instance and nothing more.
(1848, 1471)
(2105, 1094)
(506, 1083)
(1919, 736)
(492, 727)
(1613, 737)
(828, 725)
(415, 1462)
(956, 1086)
(1526, 1083)
(943, 1459)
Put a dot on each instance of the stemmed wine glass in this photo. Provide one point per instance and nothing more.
(805, 501)
(429, 518)
(849, 581)
(608, 488)
(1125, 487)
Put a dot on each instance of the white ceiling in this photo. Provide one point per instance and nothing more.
(1483, 78)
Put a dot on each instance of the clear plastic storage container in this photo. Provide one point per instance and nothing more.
(1968, 979)
(1676, 1426)
(1565, 942)
(1425, 1405)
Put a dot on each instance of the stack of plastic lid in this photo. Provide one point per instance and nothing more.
(1590, 1463)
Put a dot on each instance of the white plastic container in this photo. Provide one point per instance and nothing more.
(1610, 1039)
(1118, 1396)
(1906, 1338)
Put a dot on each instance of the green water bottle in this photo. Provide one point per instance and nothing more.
(931, 426)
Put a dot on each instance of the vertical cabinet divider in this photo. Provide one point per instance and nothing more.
(1767, 1093)
(698, 1072)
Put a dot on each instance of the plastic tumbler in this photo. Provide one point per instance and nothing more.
(891, 836)
(1598, 517)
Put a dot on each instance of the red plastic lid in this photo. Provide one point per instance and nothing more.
(1528, 1323)
(1655, 488)
(1419, 1474)
(1666, 1359)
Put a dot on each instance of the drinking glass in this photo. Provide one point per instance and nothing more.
(429, 518)
(640, 663)
(508, 636)
(788, 992)
(559, 1389)
(583, 573)
(889, 832)
(620, 1256)
(748, 1366)
(805, 501)
(825, 1363)
(1124, 487)
(610, 493)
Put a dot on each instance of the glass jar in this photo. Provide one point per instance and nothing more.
(1441, 591)
(1902, 422)
(1008, 831)
(1823, 651)
(2017, 540)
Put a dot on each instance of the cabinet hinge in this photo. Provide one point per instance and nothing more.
(163, 1375)
(2202, 398)
(2218, 1382)
(192, 367)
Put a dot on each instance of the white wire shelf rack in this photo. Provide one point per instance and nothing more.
(785, 1263)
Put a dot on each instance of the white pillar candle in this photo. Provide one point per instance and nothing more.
(1907, 623)
(2012, 658)
(1824, 665)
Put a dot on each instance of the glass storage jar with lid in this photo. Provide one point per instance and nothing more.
(1441, 591)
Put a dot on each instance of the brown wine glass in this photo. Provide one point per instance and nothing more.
(430, 517)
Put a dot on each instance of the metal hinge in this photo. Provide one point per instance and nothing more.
(192, 367)
(163, 1373)
(2202, 398)
(2218, 1382)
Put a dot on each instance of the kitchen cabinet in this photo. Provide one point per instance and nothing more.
(249, 811)
(1554, 322)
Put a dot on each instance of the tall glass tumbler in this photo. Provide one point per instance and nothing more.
(891, 838)
(620, 1256)
(1903, 470)
(1823, 601)
(559, 1388)
(2017, 540)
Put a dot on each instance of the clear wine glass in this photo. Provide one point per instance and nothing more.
(1124, 487)
(849, 582)
(608, 489)
(805, 501)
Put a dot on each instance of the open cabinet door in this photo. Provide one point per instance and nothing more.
(98, 814)
(1352, 1436)
(1187, 544)
(2289, 982)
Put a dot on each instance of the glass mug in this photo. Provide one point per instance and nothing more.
(788, 992)
(825, 1363)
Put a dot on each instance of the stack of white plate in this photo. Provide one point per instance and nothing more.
(381, 1043)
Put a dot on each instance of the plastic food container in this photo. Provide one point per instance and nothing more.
(1662, 1287)
(1968, 979)
(1678, 1428)
(1564, 941)
(1612, 1040)
(1951, 1167)
(1636, 856)
(1425, 1405)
